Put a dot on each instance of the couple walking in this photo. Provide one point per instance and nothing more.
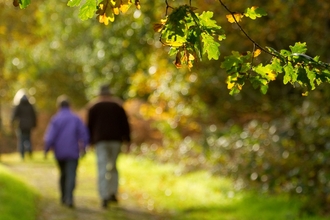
(107, 128)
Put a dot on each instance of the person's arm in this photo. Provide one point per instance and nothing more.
(49, 138)
(90, 120)
(83, 137)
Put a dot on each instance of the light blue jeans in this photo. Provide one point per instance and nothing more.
(107, 153)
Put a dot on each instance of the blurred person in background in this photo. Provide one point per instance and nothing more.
(68, 137)
(108, 128)
(25, 114)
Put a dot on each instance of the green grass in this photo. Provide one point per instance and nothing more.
(17, 200)
(162, 188)
(155, 191)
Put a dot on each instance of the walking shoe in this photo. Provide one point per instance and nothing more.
(113, 198)
(69, 203)
(104, 203)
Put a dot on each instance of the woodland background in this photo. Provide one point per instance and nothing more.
(275, 142)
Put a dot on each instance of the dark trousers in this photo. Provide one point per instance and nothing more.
(24, 142)
(68, 171)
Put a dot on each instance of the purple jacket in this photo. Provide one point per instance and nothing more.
(66, 135)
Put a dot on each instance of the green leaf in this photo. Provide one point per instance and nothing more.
(264, 89)
(231, 62)
(195, 39)
(276, 65)
(207, 21)
(74, 3)
(265, 72)
(211, 47)
(299, 48)
(254, 12)
(311, 75)
(173, 51)
(290, 74)
(87, 10)
(24, 3)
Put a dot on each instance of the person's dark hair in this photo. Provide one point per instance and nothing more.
(105, 90)
(63, 101)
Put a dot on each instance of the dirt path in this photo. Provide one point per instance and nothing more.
(44, 178)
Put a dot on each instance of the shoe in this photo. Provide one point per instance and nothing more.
(104, 203)
(113, 198)
(69, 204)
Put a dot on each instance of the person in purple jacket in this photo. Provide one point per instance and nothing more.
(68, 137)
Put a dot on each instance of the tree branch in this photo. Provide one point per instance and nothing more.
(244, 32)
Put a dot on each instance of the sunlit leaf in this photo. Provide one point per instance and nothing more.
(289, 74)
(116, 11)
(124, 8)
(74, 3)
(24, 3)
(87, 10)
(137, 4)
(232, 18)
(207, 21)
(256, 53)
(266, 72)
(254, 12)
(211, 47)
(311, 76)
(299, 48)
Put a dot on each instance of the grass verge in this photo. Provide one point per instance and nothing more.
(17, 200)
(147, 191)
(163, 188)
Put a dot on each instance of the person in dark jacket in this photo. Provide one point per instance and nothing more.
(68, 137)
(108, 128)
(25, 114)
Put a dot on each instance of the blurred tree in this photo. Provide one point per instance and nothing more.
(62, 54)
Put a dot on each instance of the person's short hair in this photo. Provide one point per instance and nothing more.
(62, 101)
(105, 90)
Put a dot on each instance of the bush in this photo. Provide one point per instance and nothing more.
(288, 154)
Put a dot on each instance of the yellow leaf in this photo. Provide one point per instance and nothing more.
(232, 17)
(106, 21)
(137, 4)
(256, 53)
(305, 93)
(271, 76)
(254, 8)
(124, 8)
(174, 43)
(113, 2)
(115, 11)
(111, 17)
(163, 21)
(158, 27)
(191, 57)
(102, 18)
(230, 85)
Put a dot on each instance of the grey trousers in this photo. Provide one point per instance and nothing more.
(107, 153)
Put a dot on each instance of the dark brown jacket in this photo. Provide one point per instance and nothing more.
(106, 121)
